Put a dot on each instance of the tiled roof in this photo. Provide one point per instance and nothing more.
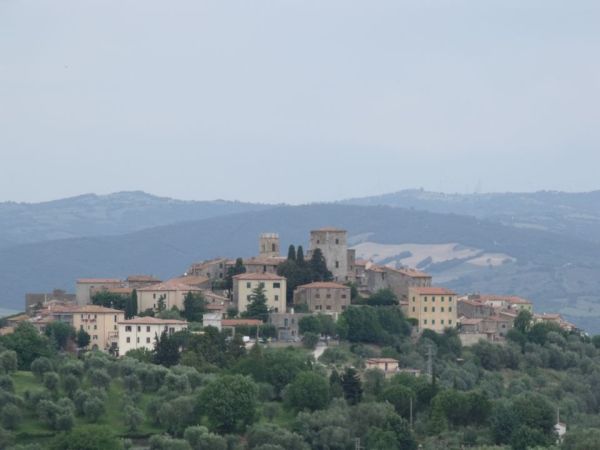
(240, 322)
(264, 261)
(258, 276)
(432, 291)
(323, 285)
(171, 285)
(413, 273)
(330, 230)
(467, 321)
(142, 279)
(96, 309)
(98, 280)
(191, 280)
(381, 360)
(505, 298)
(152, 321)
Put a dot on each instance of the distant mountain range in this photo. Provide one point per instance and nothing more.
(571, 214)
(103, 215)
(558, 271)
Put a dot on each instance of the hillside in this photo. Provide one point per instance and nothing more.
(103, 215)
(557, 272)
(571, 214)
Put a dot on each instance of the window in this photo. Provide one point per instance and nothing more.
(328, 296)
(433, 309)
(95, 327)
(277, 298)
(82, 316)
(115, 318)
(337, 264)
(442, 299)
(424, 308)
(128, 340)
(148, 329)
(318, 307)
(425, 299)
(343, 307)
(449, 308)
(285, 322)
(343, 295)
(276, 285)
(95, 337)
(432, 321)
(171, 330)
(261, 284)
(138, 340)
(413, 299)
(337, 241)
(153, 295)
(442, 309)
(413, 309)
(328, 306)
(442, 321)
(449, 321)
(147, 340)
(432, 299)
(424, 321)
(139, 328)
(115, 327)
(248, 297)
(450, 299)
(318, 242)
(248, 285)
(317, 295)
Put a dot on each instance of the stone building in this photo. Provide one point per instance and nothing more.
(85, 286)
(397, 280)
(274, 287)
(37, 301)
(333, 244)
(215, 269)
(269, 245)
(286, 324)
(434, 308)
(323, 297)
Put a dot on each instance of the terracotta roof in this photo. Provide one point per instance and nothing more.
(190, 280)
(382, 360)
(323, 285)
(413, 273)
(330, 230)
(96, 309)
(142, 278)
(432, 291)
(258, 276)
(115, 290)
(98, 280)
(240, 322)
(361, 262)
(152, 321)
(171, 285)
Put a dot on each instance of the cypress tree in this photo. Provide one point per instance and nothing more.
(300, 256)
(291, 253)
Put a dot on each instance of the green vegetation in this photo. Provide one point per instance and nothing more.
(205, 390)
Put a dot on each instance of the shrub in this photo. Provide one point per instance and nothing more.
(10, 416)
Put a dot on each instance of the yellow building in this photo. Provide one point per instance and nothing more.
(275, 287)
(172, 292)
(99, 322)
(434, 308)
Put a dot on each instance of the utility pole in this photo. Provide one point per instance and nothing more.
(411, 414)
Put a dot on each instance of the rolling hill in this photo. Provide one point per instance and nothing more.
(558, 272)
(103, 215)
(571, 214)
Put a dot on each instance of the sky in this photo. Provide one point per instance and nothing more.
(297, 100)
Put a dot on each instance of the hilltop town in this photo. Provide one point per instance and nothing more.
(274, 351)
(226, 287)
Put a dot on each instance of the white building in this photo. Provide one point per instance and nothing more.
(142, 332)
(212, 320)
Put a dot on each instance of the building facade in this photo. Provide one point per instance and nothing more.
(269, 245)
(323, 297)
(85, 286)
(171, 292)
(274, 287)
(434, 308)
(142, 332)
(99, 322)
(287, 324)
(333, 244)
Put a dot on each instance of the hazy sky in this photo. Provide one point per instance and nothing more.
(297, 100)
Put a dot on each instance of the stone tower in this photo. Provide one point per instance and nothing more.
(269, 245)
(334, 246)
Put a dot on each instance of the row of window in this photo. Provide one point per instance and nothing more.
(433, 309)
(276, 285)
(249, 298)
(433, 299)
(328, 307)
(129, 328)
(138, 340)
(329, 296)
(433, 322)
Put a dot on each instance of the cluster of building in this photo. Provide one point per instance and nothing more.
(429, 307)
